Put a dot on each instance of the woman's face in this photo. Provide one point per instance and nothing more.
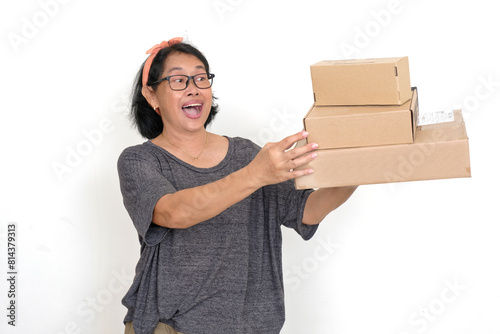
(188, 109)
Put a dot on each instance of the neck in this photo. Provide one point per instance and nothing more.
(191, 145)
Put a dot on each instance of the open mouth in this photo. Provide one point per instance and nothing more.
(193, 110)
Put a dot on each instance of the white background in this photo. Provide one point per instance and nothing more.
(382, 263)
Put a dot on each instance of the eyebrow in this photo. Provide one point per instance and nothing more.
(180, 68)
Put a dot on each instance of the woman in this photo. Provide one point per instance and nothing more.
(208, 208)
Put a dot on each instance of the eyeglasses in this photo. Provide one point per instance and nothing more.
(180, 82)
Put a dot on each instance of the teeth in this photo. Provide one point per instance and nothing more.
(192, 105)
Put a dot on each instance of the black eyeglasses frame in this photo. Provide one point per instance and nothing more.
(210, 77)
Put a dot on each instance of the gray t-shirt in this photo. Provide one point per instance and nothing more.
(223, 275)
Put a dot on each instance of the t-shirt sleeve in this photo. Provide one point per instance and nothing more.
(291, 204)
(142, 184)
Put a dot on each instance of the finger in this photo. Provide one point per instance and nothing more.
(288, 142)
(301, 172)
(298, 151)
(302, 160)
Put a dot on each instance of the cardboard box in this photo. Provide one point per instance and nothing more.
(356, 126)
(440, 151)
(382, 81)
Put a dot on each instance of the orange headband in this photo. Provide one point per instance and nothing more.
(153, 52)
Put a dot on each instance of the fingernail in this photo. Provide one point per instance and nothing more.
(305, 134)
(314, 155)
(314, 146)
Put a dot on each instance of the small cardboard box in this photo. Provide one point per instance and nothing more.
(440, 151)
(381, 81)
(356, 126)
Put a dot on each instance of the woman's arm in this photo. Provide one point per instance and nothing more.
(323, 201)
(275, 163)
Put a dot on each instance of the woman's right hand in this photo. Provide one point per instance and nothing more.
(276, 162)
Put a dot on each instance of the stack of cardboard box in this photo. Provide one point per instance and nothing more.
(364, 120)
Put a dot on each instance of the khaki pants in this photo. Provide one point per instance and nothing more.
(160, 329)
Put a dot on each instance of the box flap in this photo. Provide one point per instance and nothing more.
(415, 110)
(403, 74)
(304, 120)
(359, 61)
(328, 111)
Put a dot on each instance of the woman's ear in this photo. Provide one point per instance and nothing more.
(150, 96)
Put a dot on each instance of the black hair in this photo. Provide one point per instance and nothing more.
(143, 116)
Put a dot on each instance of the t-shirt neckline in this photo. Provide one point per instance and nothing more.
(221, 164)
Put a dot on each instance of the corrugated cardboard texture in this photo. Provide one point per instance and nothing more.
(440, 151)
(356, 126)
(383, 81)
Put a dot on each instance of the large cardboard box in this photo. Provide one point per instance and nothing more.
(381, 81)
(440, 151)
(356, 126)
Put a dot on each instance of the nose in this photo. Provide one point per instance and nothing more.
(191, 88)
